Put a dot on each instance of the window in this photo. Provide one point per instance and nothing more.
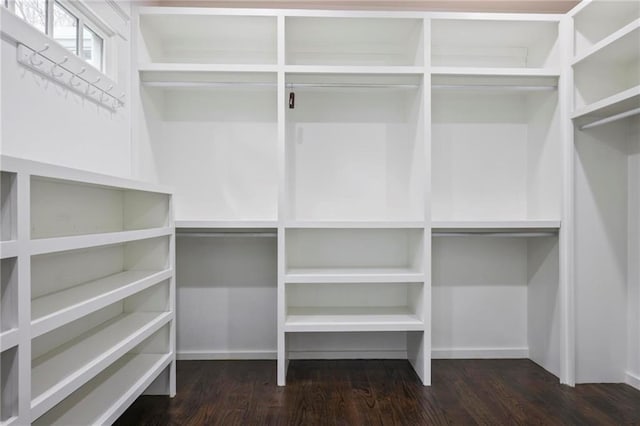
(65, 28)
(65, 23)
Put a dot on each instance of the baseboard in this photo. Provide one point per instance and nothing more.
(633, 380)
(376, 354)
(479, 353)
(222, 355)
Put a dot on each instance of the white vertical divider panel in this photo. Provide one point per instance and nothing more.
(419, 343)
(283, 361)
(566, 241)
(24, 297)
(172, 305)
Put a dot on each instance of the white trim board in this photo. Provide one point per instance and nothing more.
(479, 353)
(633, 380)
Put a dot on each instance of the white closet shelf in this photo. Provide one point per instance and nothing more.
(148, 68)
(58, 373)
(338, 224)
(8, 339)
(497, 72)
(225, 224)
(353, 275)
(8, 249)
(104, 399)
(621, 45)
(354, 69)
(344, 319)
(55, 310)
(52, 245)
(615, 104)
(498, 227)
(10, 421)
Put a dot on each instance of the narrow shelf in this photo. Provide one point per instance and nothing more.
(353, 275)
(498, 72)
(8, 339)
(225, 224)
(337, 319)
(353, 69)
(628, 44)
(52, 245)
(58, 373)
(514, 227)
(615, 104)
(302, 224)
(187, 68)
(54, 310)
(104, 399)
(10, 421)
(8, 249)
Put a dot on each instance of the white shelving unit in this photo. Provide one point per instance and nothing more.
(354, 138)
(606, 69)
(86, 280)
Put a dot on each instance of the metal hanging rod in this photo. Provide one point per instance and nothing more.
(611, 118)
(495, 234)
(223, 234)
(508, 87)
(178, 84)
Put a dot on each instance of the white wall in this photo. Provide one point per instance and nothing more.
(43, 121)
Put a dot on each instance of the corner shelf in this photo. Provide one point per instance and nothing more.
(56, 374)
(624, 36)
(608, 107)
(105, 398)
(351, 319)
(55, 310)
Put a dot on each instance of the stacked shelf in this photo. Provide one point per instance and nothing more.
(606, 63)
(95, 274)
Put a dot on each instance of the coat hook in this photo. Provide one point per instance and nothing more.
(56, 64)
(38, 52)
(82, 70)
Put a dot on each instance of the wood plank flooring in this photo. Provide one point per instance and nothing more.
(381, 392)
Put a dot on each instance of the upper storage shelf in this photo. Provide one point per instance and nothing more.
(185, 35)
(600, 19)
(65, 208)
(354, 41)
(490, 43)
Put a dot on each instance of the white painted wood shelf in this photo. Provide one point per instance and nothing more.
(352, 319)
(620, 45)
(353, 224)
(610, 106)
(353, 275)
(495, 227)
(226, 224)
(57, 374)
(55, 310)
(87, 278)
(106, 397)
(8, 339)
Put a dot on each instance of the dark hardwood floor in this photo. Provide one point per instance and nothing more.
(381, 392)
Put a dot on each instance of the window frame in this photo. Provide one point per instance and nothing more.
(83, 21)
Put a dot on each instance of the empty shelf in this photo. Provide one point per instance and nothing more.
(615, 104)
(56, 309)
(353, 275)
(342, 319)
(496, 227)
(8, 249)
(106, 397)
(8, 339)
(58, 373)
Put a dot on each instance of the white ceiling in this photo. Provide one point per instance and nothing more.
(539, 6)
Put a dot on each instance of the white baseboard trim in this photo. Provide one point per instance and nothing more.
(633, 380)
(375, 354)
(225, 355)
(479, 353)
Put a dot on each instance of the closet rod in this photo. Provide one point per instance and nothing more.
(515, 88)
(288, 85)
(494, 234)
(220, 234)
(612, 118)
